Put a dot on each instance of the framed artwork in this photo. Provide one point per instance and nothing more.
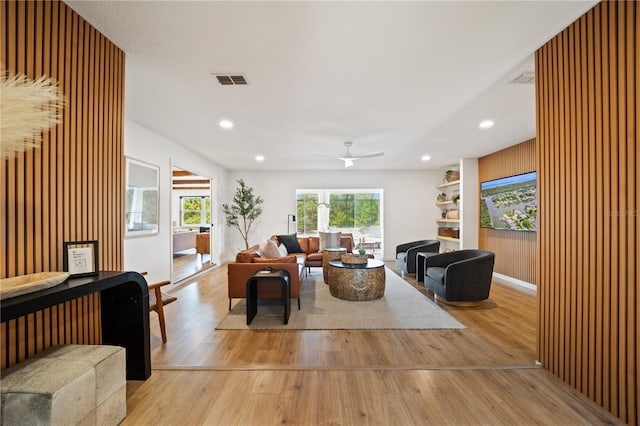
(80, 258)
(141, 198)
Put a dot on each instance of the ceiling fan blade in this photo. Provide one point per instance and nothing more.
(370, 154)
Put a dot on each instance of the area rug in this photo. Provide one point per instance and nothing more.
(402, 307)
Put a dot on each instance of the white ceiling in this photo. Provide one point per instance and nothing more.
(406, 78)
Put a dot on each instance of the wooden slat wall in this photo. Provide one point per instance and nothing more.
(70, 189)
(588, 95)
(515, 251)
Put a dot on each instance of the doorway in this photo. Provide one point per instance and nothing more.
(191, 200)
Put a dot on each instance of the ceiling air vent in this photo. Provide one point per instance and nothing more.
(231, 79)
(527, 77)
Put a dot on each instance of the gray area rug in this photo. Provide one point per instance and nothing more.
(402, 307)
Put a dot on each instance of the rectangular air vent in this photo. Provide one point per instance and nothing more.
(527, 77)
(231, 79)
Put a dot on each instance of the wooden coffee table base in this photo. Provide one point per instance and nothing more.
(357, 283)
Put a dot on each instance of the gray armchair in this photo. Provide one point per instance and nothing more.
(406, 253)
(460, 276)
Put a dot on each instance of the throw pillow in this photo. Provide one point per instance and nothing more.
(285, 259)
(283, 250)
(270, 250)
(291, 243)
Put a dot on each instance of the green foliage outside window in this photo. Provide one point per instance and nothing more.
(195, 209)
(307, 213)
(354, 210)
(346, 211)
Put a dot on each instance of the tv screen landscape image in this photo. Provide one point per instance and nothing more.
(509, 203)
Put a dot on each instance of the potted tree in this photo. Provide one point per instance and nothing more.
(243, 210)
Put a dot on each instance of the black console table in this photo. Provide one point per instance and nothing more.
(124, 307)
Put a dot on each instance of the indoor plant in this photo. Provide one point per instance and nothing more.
(243, 210)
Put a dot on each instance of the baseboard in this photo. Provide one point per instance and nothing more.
(505, 279)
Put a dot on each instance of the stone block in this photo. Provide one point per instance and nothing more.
(108, 361)
(114, 409)
(66, 385)
(55, 392)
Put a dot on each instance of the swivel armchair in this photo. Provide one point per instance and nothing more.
(461, 277)
(406, 253)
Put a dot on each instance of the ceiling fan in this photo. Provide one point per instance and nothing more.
(349, 158)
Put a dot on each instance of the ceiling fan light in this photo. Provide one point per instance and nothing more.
(348, 163)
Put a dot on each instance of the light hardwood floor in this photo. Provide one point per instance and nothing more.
(189, 263)
(484, 374)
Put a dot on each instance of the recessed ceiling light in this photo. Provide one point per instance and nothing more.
(259, 157)
(226, 124)
(486, 124)
(426, 158)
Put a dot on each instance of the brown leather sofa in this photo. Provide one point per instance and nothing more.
(239, 272)
(311, 248)
(248, 262)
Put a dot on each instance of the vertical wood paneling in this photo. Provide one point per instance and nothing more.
(71, 188)
(515, 251)
(587, 153)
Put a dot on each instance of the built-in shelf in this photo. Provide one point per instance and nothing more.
(449, 190)
(444, 185)
(455, 240)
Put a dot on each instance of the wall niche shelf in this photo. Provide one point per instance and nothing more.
(449, 191)
(445, 185)
(454, 240)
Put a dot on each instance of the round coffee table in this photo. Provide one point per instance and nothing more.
(328, 255)
(357, 282)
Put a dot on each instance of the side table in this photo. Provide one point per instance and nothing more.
(328, 255)
(252, 292)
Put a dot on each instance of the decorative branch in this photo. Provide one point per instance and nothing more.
(27, 108)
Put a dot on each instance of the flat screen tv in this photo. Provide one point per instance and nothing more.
(509, 203)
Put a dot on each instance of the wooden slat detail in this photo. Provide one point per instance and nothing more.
(71, 188)
(515, 251)
(587, 99)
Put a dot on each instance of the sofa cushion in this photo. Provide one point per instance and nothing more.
(402, 256)
(314, 257)
(436, 273)
(269, 249)
(245, 256)
(291, 243)
(304, 244)
(286, 259)
(314, 244)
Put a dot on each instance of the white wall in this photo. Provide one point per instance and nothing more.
(409, 201)
(153, 253)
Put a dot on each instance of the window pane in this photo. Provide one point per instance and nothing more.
(307, 213)
(195, 210)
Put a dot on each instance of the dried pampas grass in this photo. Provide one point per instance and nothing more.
(27, 108)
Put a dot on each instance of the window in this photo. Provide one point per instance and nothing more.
(195, 211)
(354, 210)
(350, 210)
(141, 201)
(307, 212)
